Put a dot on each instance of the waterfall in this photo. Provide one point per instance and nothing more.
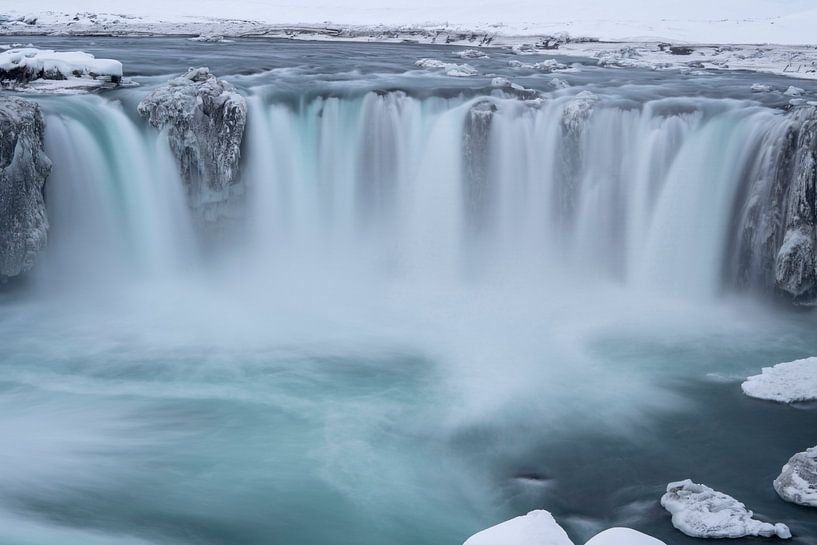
(651, 195)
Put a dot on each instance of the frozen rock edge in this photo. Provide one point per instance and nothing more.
(48, 70)
(789, 382)
(24, 168)
(797, 482)
(699, 511)
(205, 119)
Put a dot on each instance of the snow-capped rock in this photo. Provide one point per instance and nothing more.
(471, 54)
(760, 88)
(793, 91)
(48, 70)
(205, 119)
(623, 536)
(24, 168)
(450, 69)
(699, 511)
(788, 382)
(559, 83)
(535, 528)
(548, 65)
(797, 481)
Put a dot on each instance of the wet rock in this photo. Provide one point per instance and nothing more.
(797, 482)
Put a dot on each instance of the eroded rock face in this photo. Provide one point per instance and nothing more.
(797, 481)
(205, 119)
(24, 168)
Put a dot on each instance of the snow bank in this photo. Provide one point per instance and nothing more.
(74, 69)
(788, 382)
(623, 536)
(699, 511)
(702, 21)
(797, 482)
(535, 528)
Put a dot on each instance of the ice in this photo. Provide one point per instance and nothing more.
(760, 88)
(699, 511)
(797, 481)
(471, 54)
(46, 69)
(788, 382)
(623, 536)
(536, 528)
(450, 69)
(793, 91)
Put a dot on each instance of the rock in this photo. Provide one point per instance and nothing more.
(797, 481)
(205, 119)
(450, 69)
(699, 511)
(478, 192)
(24, 168)
(575, 116)
(760, 88)
(47, 70)
(789, 382)
(535, 528)
(623, 536)
(793, 91)
(471, 54)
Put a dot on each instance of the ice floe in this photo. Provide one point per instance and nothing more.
(699, 511)
(623, 536)
(536, 528)
(788, 382)
(797, 481)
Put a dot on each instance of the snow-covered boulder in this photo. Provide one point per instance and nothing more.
(205, 119)
(24, 168)
(797, 481)
(760, 88)
(535, 528)
(793, 91)
(48, 70)
(788, 382)
(623, 536)
(471, 54)
(699, 511)
(450, 69)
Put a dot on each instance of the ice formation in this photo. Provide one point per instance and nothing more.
(788, 382)
(535, 528)
(205, 119)
(623, 536)
(699, 511)
(797, 481)
(450, 69)
(24, 168)
(45, 69)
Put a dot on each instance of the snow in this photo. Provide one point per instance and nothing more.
(702, 21)
(699, 511)
(797, 481)
(45, 69)
(535, 528)
(623, 536)
(471, 54)
(788, 382)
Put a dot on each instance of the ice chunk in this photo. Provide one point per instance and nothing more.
(699, 511)
(450, 69)
(535, 528)
(471, 54)
(760, 88)
(788, 382)
(623, 536)
(797, 481)
(793, 91)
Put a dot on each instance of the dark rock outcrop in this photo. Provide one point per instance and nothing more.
(205, 119)
(24, 168)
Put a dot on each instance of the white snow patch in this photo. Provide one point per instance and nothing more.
(788, 382)
(699, 511)
(535, 528)
(797, 481)
(623, 536)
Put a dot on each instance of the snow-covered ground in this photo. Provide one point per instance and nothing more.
(773, 36)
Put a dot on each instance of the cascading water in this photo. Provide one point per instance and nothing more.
(437, 305)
